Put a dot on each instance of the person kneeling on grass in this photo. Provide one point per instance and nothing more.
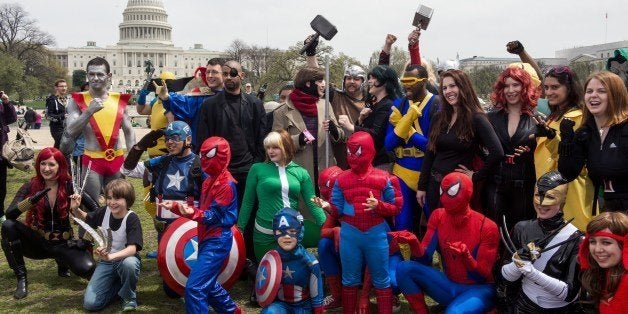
(118, 270)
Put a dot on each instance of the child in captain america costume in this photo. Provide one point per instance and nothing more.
(218, 212)
(362, 198)
(467, 242)
(175, 177)
(301, 289)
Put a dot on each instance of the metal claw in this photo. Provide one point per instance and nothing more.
(505, 226)
(501, 234)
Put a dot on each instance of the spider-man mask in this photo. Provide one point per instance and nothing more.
(360, 152)
(215, 155)
(327, 179)
(455, 193)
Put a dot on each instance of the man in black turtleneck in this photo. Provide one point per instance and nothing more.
(239, 118)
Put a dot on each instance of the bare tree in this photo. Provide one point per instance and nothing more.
(19, 35)
(236, 50)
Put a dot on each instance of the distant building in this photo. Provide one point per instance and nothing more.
(601, 51)
(476, 62)
(145, 34)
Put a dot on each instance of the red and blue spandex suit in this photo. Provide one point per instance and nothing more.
(468, 243)
(363, 231)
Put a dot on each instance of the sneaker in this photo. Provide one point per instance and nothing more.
(396, 304)
(151, 255)
(331, 303)
(129, 306)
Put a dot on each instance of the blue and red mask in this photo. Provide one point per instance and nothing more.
(455, 193)
(360, 152)
(288, 221)
(215, 155)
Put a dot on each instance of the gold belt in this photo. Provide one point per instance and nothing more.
(401, 152)
(108, 155)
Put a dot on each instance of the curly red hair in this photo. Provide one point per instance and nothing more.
(38, 183)
(529, 93)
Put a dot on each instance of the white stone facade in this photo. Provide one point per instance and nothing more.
(145, 34)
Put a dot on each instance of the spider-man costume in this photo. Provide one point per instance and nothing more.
(217, 214)
(329, 255)
(363, 232)
(468, 243)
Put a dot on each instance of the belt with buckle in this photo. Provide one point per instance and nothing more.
(108, 154)
(401, 152)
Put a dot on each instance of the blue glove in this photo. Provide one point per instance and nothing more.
(141, 99)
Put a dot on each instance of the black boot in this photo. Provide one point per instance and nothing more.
(13, 253)
(62, 270)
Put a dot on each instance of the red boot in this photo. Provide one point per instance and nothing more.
(334, 300)
(364, 304)
(384, 300)
(417, 302)
(349, 299)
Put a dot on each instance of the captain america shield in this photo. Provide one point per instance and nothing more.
(268, 279)
(178, 251)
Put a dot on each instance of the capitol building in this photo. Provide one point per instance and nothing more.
(145, 34)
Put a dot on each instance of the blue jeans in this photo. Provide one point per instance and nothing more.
(111, 279)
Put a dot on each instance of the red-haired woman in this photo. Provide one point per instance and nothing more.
(601, 143)
(603, 259)
(46, 232)
(457, 135)
(510, 189)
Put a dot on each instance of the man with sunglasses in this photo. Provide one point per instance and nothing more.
(176, 176)
(238, 117)
(186, 107)
(407, 136)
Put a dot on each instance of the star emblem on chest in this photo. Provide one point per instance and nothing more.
(287, 273)
(174, 180)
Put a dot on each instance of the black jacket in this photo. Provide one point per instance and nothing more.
(216, 120)
(606, 162)
(55, 110)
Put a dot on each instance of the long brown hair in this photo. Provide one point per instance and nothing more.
(600, 282)
(468, 104)
(617, 97)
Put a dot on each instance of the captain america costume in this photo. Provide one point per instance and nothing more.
(301, 289)
(218, 212)
(363, 231)
(406, 137)
(467, 242)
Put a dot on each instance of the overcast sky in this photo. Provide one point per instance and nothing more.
(466, 27)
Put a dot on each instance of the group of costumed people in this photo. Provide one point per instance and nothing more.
(424, 193)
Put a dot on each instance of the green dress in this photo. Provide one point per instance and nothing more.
(275, 187)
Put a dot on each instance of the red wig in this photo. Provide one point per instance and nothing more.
(38, 183)
(529, 93)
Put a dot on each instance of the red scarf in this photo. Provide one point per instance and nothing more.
(305, 103)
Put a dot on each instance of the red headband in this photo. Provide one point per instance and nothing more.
(584, 247)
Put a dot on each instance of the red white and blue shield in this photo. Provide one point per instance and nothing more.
(178, 250)
(268, 279)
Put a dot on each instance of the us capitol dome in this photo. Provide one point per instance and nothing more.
(144, 34)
